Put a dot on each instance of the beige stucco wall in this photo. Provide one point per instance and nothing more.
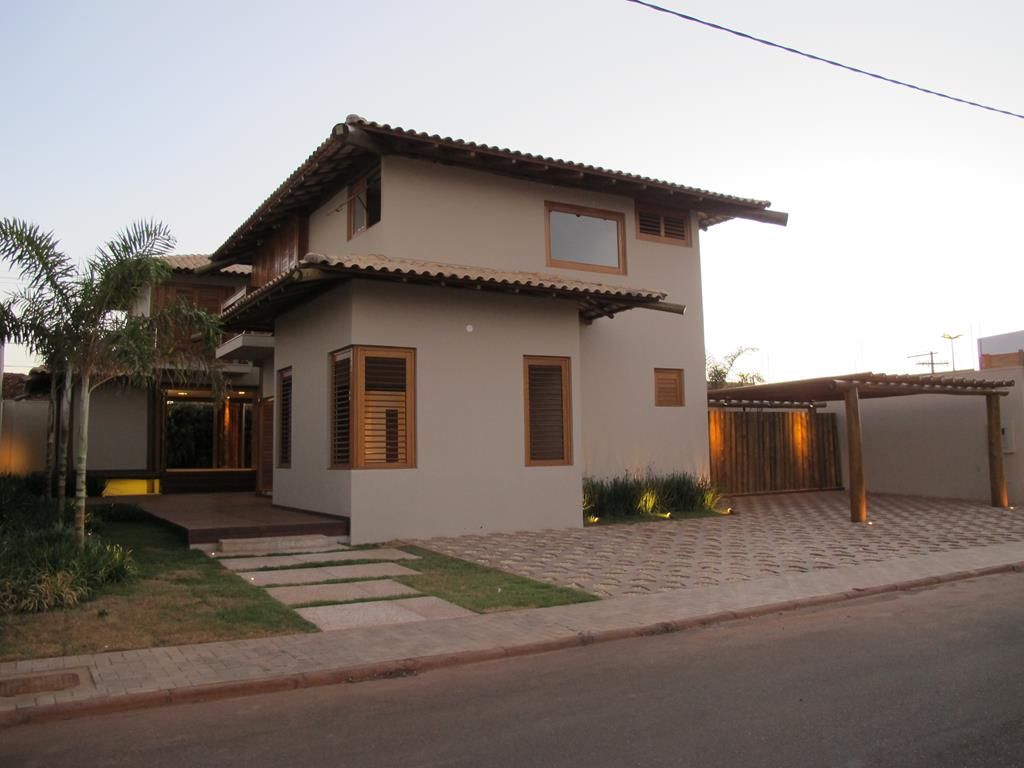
(937, 445)
(118, 428)
(471, 473)
(23, 436)
(460, 216)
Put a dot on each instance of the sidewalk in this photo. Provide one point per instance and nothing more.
(158, 676)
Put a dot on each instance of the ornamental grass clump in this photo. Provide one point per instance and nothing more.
(42, 567)
(647, 497)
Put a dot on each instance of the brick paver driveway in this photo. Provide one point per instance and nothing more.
(769, 535)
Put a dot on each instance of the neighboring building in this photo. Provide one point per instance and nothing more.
(443, 338)
(1001, 351)
(173, 436)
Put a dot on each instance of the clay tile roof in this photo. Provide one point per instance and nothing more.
(438, 270)
(371, 125)
(187, 263)
(317, 272)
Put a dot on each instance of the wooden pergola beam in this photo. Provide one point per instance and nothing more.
(996, 476)
(855, 457)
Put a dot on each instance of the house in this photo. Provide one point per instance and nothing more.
(450, 336)
(175, 436)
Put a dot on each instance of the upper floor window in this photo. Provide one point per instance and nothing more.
(585, 238)
(663, 226)
(364, 203)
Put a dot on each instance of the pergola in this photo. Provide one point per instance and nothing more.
(812, 393)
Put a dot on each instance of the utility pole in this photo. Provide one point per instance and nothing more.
(952, 353)
(931, 360)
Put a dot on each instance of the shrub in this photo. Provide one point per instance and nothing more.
(22, 506)
(647, 496)
(44, 569)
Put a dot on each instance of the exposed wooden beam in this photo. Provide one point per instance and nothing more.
(996, 476)
(855, 456)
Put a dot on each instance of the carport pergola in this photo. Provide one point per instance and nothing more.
(812, 393)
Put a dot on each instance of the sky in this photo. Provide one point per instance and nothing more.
(903, 207)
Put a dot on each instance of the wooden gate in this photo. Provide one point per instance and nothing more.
(765, 451)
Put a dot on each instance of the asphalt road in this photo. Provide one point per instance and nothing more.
(932, 678)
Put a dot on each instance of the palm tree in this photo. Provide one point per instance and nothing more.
(87, 323)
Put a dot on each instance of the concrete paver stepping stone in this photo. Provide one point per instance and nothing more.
(276, 561)
(325, 573)
(333, 617)
(339, 593)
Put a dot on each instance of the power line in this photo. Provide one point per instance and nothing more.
(823, 60)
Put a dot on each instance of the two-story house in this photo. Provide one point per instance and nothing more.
(461, 333)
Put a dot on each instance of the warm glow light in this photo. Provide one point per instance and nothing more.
(181, 393)
(647, 502)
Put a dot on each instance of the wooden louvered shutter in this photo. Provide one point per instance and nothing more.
(548, 411)
(284, 418)
(385, 407)
(668, 387)
(341, 409)
(663, 226)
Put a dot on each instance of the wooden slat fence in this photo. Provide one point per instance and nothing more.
(764, 451)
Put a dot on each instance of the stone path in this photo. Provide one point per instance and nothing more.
(769, 536)
(375, 614)
(361, 595)
(340, 593)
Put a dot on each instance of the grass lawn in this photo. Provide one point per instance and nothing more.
(481, 589)
(180, 597)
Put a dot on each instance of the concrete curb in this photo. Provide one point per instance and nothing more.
(410, 666)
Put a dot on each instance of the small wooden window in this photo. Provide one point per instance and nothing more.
(585, 238)
(548, 411)
(663, 226)
(373, 409)
(364, 203)
(284, 418)
(668, 387)
(341, 409)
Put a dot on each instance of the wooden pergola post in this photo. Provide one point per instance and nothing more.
(855, 455)
(997, 479)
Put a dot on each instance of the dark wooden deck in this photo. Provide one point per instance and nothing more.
(210, 517)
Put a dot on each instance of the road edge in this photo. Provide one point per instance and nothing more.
(415, 665)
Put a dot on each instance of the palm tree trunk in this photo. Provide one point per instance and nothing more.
(51, 436)
(62, 443)
(81, 457)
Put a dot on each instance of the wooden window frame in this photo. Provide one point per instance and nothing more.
(595, 213)
(679, 376)
(355, 189)
(661, 213)
(357, 399)
(566, 365)
(282, 375)
(333, 405)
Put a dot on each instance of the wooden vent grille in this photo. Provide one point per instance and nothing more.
(341, 433)
(284, 433)
(547, 381)
(656, 225)
(668, 387)
(385, 411)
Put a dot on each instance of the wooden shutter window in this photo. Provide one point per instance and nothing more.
(384, 411)
(663, 226)
(284, 419)
(668, 387)
(341, 409)
(548, 412)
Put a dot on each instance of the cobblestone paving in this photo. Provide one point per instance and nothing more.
(769, 536)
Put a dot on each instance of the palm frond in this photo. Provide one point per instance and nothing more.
(35, 254)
